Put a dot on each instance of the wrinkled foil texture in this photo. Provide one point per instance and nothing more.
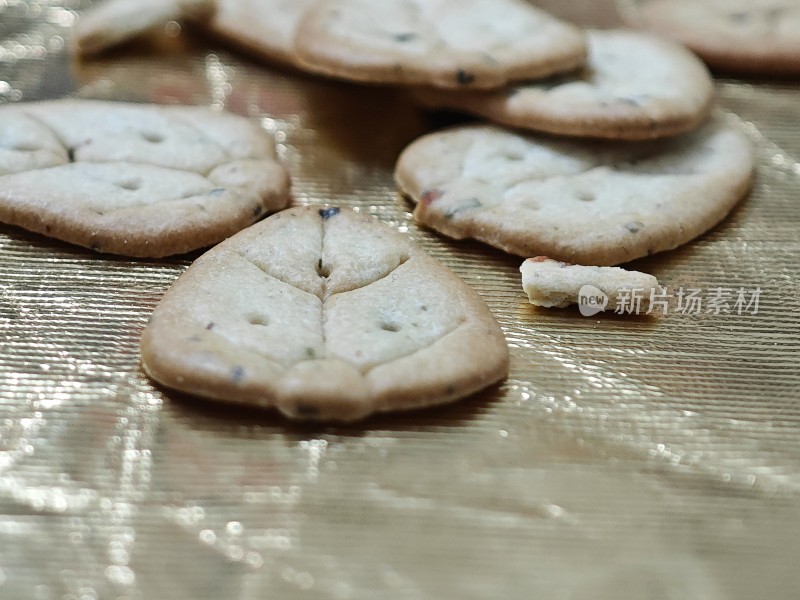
(623, 458)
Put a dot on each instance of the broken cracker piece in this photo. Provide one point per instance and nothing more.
(555, 284)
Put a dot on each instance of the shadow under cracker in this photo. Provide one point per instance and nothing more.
(229, 416)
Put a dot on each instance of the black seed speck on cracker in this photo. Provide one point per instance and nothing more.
(327, 213)
(464, 77)
(634, 226)
(237, 374)
(216, 192)
(71, 154)
(405, 37)
(257, 210)
(210, 326)
(468, 204)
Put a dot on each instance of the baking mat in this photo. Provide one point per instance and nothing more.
(624, 458)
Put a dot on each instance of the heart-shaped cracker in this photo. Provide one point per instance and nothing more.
(445, 43)
(584, 202)
(137, 180)
(635, 86)
(324, 314)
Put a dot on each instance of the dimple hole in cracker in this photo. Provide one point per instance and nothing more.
(390, 326)
(25, 147)
(260, 320)
(153, 138)
(129, 184)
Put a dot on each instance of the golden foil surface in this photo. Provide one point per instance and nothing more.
(624, 458)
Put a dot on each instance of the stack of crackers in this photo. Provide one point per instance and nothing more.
(601, 148)
(592, 147)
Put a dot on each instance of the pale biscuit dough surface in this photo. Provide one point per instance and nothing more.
(135, 179)
(324, 314)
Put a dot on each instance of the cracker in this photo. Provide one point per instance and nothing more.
(577, 201)
(555, 284)
(324, 314)
(444, 43)
(635, 86)
(759, 37)
(133, 179)
(115, 22)
(264, 27)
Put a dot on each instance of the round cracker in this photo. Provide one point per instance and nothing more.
(759, 37)
(264, 27)
(115, 22)
(577, 201)
(635, 86)
(443, 43)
